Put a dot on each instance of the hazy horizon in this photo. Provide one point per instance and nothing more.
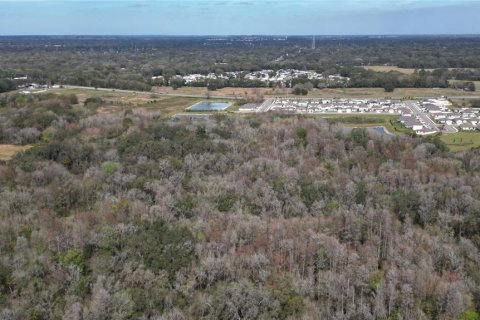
(239, 17)
(248, 35)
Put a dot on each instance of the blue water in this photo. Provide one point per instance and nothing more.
(379, 130)
(209, 106)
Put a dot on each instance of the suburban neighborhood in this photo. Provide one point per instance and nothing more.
(281, 77)
(424, 117)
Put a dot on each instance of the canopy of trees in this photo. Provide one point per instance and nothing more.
(131, 62)
(235, 217)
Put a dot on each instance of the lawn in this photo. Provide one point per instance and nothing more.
(461, 141)
(8, 150)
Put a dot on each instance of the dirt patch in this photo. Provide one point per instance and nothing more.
(8, 150)
(108, 109)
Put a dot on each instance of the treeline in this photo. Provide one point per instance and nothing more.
(114, 83)
(7, 85)
(213, 84)
(359, 77)
(131, 62)
(123, 216)
(27, 118)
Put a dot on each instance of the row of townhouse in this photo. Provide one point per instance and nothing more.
(464, 122)
(337, 106)
(416, 123)
(465, 119)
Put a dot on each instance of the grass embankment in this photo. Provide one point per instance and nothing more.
(461, 141)
(7, 151)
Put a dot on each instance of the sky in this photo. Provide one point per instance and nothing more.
(239, 17)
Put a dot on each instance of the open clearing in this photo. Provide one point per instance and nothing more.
(399, 93)
(8, 150)
(169, 106)
(462, 102)
(224, 92)
(390, 122)
(361, 93)
(124, 98)
(111, 97)
(391, 68)
(477, 83)
(395, 68)
(461, 141)
(115, 101)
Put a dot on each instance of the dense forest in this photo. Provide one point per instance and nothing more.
(131, 62)
(125, 216)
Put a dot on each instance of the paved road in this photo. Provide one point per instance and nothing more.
(423, 116)
(265, 106)
(449, 129)
(150, 93)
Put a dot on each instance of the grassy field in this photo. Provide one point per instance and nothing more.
(395, 68)
(8, 150)
(465, 103)
(118, 101)
(361, 93)
(390, 68)
(364, 93)
(461, 141)
(462, 102)
(390, 122)
(477, 83)
(111, 97)
(169, 106)
(399, 93)
(224, 92)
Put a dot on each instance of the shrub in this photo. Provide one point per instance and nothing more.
(226, 201)
(469, 315)
(162, 247)
(109, 168)
(73, 257)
